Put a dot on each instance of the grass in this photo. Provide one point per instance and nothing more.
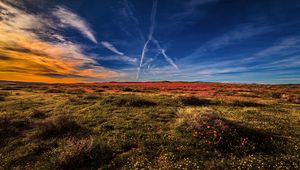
(76, 127)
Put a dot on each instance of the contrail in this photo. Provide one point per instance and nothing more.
(152, 39)
(134, 19)
(163, 52)
(152, 19)
(151, 31)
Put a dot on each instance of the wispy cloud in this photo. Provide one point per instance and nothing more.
(69, 18)
(241, 32)
(121, 57)
(124, 58)
(27, 57)
(286, 43)
(190, 7)
(111, 47)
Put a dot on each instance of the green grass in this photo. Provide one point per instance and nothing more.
(42, 128)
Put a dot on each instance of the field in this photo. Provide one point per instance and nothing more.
(155, 125)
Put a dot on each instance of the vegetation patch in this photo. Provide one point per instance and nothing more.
(85, 153)
(225, 136)
(193, 101)
(59, 127)
(10, 127)
(128, 101)
(3, 95)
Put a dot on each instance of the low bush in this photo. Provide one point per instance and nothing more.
(11, 127)
(37, 114)
(240, 103)
(75, 91)
(91, 97)
(11, 88)
(127, 89)
(59, 127)
(84, 154)
(128, 101)
(3, 95)
(54, 91)
(193, 101)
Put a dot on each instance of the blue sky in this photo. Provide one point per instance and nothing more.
(255, 41)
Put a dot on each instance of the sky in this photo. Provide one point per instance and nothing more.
(63, 41)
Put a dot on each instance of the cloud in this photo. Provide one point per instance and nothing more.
(27, 57)
(240, 33)
(286, 43)
(190, 7)
(118, 58)
(111, 47)
(121, 56)
(68, 18)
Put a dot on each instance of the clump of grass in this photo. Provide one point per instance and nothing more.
(84, 153)
(127, 89)
(75, 91)
(105, 87)
(11, 88)
(54, 91)
(37, 114)
(276, 95)
(128, 101)
(59, 127)
(11, 127)
(3, 95)
(91, 97)
(193, 101)
(99, 90)
(240, 103)
(78, 100)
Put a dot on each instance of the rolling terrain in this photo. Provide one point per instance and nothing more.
(150, 125)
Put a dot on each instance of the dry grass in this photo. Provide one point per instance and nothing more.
(151, 126)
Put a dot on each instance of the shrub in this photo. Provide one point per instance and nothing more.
(193, 101)
(84, 154)
(276, 95)
(91, 97)
(11, 88)
(3, 95)
(99, 90)
(105, 87)
(11, 127)
(129, 101)
(246, 104)
(76, 91)
(127, 89)
(54, 91)
(60, 126)
(37, 114)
